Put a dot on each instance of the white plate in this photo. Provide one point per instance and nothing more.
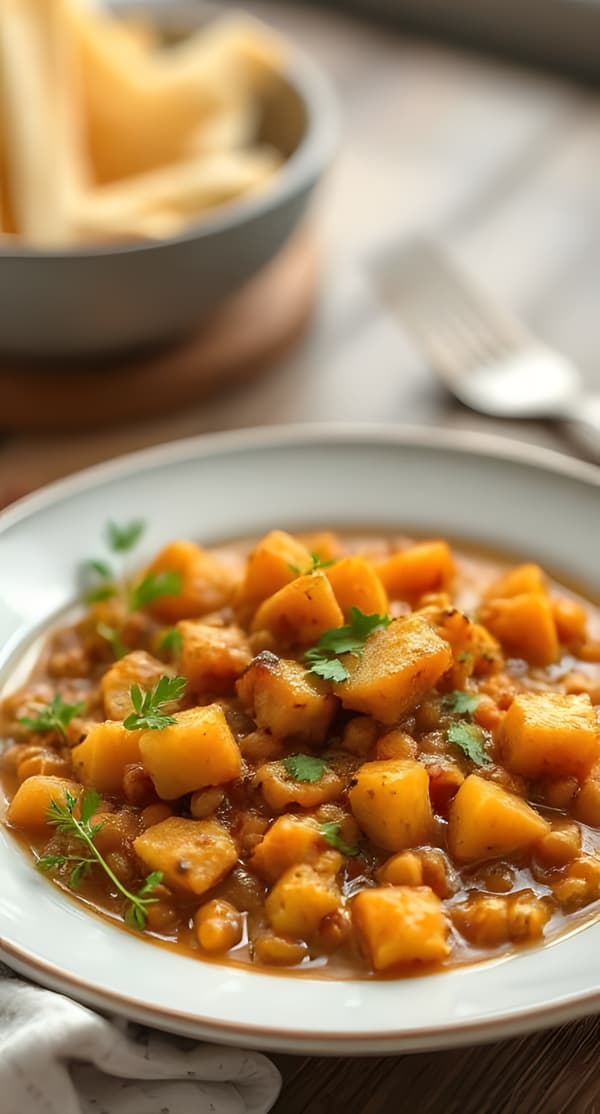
(529, 501)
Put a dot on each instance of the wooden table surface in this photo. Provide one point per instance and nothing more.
(506, 164)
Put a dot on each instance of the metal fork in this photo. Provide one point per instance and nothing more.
(486, 358)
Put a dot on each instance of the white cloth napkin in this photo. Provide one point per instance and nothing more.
(58, 1057)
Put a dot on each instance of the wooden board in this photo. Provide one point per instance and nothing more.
(249, 334)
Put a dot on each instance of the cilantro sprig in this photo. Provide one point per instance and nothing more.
(316, 563)
(102, 581)
(113, 637)
(330, 831)
(305, 767)
(470, 739)
(153, 586)
(63, 818)
(56, 716)
(461, 703)
(123, 538)
(147, 714)
(324, 658)
(171, 641)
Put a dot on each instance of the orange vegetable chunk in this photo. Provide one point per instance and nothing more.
(277, 559)
(195, 751)
(550, 734)
(408, 574)
(286, 700)
(212, 657)
(356, 584)
(401, 924)
(486, 821)
(29, 806)
(100, 760)
(300, 613)
(523, 580)
(524, 625)
(193, 855)
(291, 840)
(137, 668)
(206, 585)
(300, 899)
(398, 667)
(390, 802)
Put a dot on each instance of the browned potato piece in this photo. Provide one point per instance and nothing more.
(195, 751)
(206, 585)
(427, 567)
(398, 667)
(280, 789)
(300, 900)
(286, 700)
(137, 668)
(276, 560)
(401, 924)
(193, 855)
(29, 806)
(212, 658)
(486, 821)
(390, 802)
(100, 760)
(550, 734)
(300, 613)
(291, 840)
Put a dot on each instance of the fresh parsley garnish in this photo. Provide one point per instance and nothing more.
(305, 767)
(62, 817)
(323, 659)
(153, 586)
(331, 834)
(113, 636)
(316, 563)
(147, 714)
(56, 716)
(462, 703)
(172, 641)
(470, 740)
(99, 581)
(101, 568)
(123, 538)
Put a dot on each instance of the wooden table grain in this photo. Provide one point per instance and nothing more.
(504, 163)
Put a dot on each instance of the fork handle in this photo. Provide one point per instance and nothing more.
(582, 425)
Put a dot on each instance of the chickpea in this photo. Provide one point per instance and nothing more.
(560, 845)
(121, 864)
(138, 787)
(437, 872)
(218, 925)
(359, 735)
(279, 951)
(487, 713)
(154, 814)
(396, 744)
(334, 930)
(404, 869)
(205, 801)
(162, 916)
(259, 747)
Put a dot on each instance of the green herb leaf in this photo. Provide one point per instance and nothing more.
(462, 703)
(56, 716)
(90, 803)
(113, 636)
(151, 881)
(101, 568)
(153, 587)
(171, 641)
(305, 767)
(331, 834)
(316, 563)
(323, 659)
(147, 713)
(78, 872)
(470, 739)
(123, 538)
(50, 862)
(102, 592)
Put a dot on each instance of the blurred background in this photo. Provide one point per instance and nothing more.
(475, 124)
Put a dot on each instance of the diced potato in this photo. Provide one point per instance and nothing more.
(571, 620)
(277, 559)
(291, 840)
(300, 899)
(197, 750)
(192, 854)
(390, 802)
(299, 613)
(524, 625)
(137, 668)
(212, 658)
(356, 584)
(325, 543)
(100, 760)
(29, 806)
(403, 869)
(279, 789)
(206, 585)
(549, 734)
(286, 700)
(486, 821)
(398, 667)
(428, 567)
(401, 924)
(522, 580)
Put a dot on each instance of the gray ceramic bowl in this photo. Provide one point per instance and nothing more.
(110, 299)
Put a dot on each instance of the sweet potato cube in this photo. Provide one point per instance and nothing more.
(299, 613)
(524, 625)
(390, 802)
(279, 789)
(206, 585)
(286, 700)
(401, 924)
(300, 899)
(100, 760)
(291, 840)
(522, 580)
(277, 559)
(550, 734)
(193, 854)
(29, 806)
(195, 751)
(486, 821)
(137, 668)
(212, 658)
(428, 567)
(398, 667)
(356, 584)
